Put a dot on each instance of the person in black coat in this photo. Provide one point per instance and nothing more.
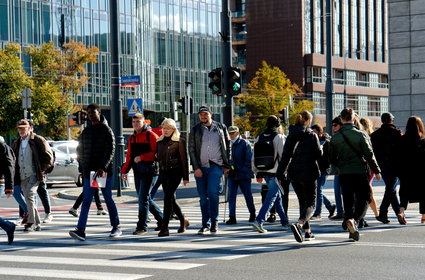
(384, 141)
(95, 153)
(7, 169)
(301, 153)
(411, 164)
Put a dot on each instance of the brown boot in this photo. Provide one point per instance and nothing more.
(184, 224)
(164, 231)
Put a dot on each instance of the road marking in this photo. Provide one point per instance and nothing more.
(68, 274)
(100, 262)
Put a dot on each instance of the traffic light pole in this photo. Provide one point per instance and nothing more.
(329, 83)
(226, 46)
(116, 106)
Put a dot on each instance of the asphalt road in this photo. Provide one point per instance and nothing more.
(238, 252)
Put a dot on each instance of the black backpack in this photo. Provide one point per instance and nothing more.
(264, 158)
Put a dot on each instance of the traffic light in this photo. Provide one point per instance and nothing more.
(215, 84)
(235, 81)
(285, 115)
(79, 117)
(181, 104)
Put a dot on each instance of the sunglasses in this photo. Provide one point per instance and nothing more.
(335, 124)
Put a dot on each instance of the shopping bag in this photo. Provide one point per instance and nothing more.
(99, 182)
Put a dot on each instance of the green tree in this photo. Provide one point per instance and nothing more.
(57, 75)
(269, 92)
(13, 79)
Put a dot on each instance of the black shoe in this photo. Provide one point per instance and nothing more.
(37, 228)
(78, 234)
(28, 228)
(203, 231)
(11, 233)
(332, 211)
(213, 229)
(382, 219)
(309, 236)
(252, 217)
(231, 220)
(272, 218)
(352, 228)
(362, 223)
(297, 231)
(158, 226)
(337, 217)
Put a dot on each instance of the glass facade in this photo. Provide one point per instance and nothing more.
(358, 29)
(166, 42)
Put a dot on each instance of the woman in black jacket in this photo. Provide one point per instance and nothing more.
(173, 166)
(411, 161)
(300, 155)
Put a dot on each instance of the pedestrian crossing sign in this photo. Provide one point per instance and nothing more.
(134, 106)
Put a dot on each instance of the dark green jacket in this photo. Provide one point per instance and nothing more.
(345, 159)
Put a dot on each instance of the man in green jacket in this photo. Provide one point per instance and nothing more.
(351, 152)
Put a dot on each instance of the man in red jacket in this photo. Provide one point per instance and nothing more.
(140, 157)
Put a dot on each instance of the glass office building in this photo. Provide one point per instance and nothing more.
(166, 42)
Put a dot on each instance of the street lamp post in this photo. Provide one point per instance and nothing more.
(329, 83)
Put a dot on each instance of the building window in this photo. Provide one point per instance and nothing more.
(374, 106)
(353, 102)
(362, 79)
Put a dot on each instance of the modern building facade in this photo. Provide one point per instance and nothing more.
(407, 60)
(166, 42)
(292, 35)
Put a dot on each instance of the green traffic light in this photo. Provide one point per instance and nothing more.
(236, 87)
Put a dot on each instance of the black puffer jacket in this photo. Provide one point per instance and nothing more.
(96, 148)
(324, 165)
(303, 163)
(384, 143)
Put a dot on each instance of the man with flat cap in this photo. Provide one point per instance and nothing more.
(209, 155)
(384, 142)
(33, 157)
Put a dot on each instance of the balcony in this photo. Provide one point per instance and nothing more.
(238, 14)
(239, 37)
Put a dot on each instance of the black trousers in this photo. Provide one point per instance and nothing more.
(170, 180)
(306, 193)
(96, 199)
(355, 195)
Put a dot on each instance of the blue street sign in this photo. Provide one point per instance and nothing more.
(129, 81)
(134, 106)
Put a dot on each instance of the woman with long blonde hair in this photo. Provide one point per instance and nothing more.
(367, 126)
(173, 167)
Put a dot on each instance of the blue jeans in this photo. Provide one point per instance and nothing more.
(338, 196)
(390, 195)
(321, 197)
(19, 197)
(245, 186)
(5, 225)
(88, 193)
(146, 203)
(208, 187)
(273, 195)
(42, 193)
(156, 182)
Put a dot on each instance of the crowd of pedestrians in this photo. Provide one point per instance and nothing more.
(354, 155)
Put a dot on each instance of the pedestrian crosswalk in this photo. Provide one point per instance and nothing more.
(52, 254)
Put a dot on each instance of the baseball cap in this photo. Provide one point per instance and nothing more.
(387, 117)
(203, 109)
(23, 123)
(233, 129)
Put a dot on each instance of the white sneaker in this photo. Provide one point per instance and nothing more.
(48, 218)
(18, 221)
(101, 212)
(259, 227)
